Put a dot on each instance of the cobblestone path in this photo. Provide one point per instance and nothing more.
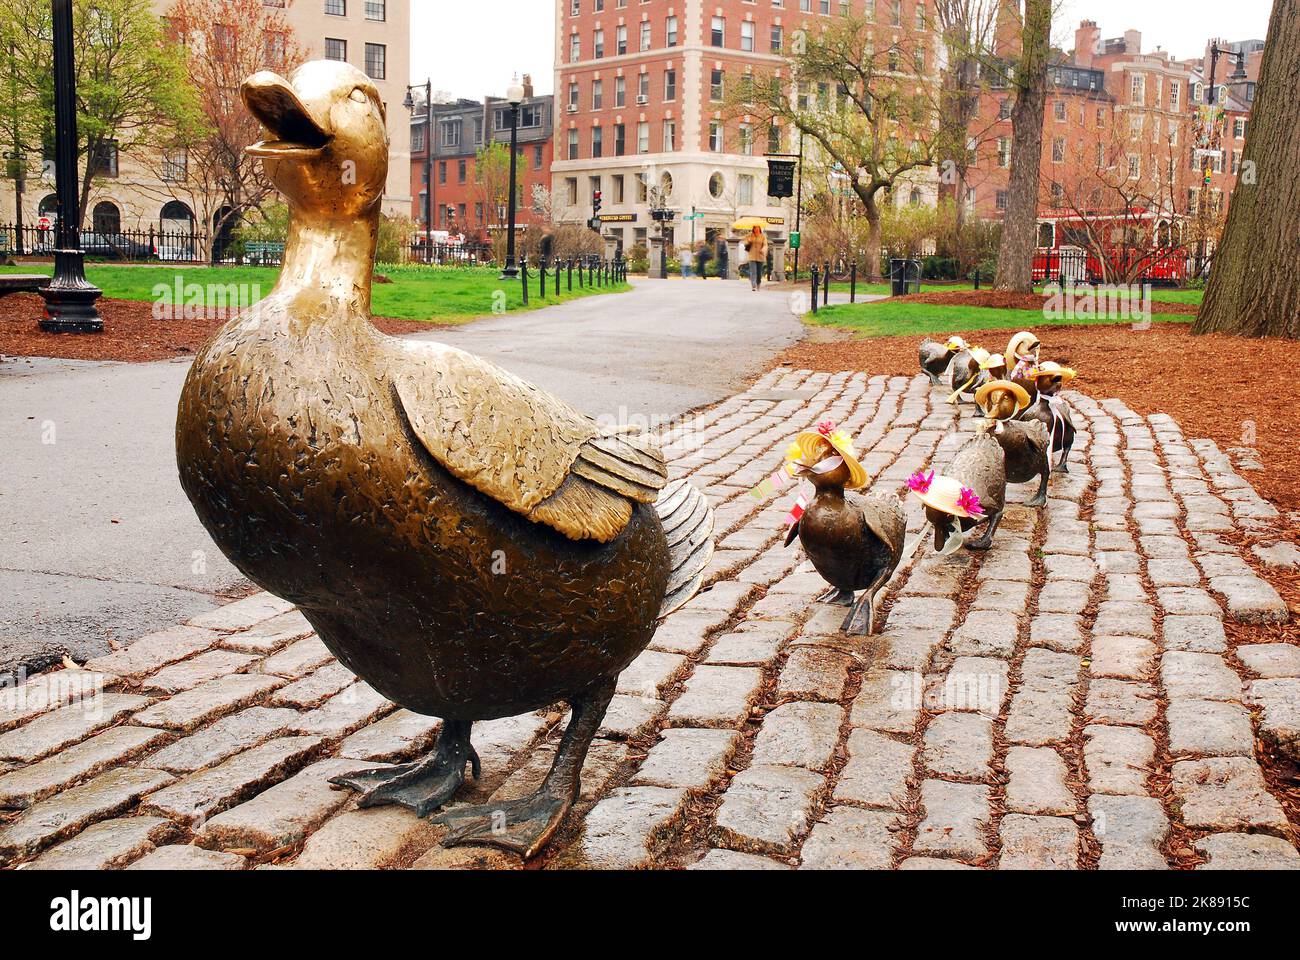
(1068, 700)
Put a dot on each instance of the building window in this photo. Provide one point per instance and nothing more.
(376, 61)
(106, 218)
(530, 115)
(670, 36)
(573, 145)
(778, 38)
(1000, 202)
(417, 138)
(571, 189)
(597, 94)
(620, 40)
(774, 139)
(744, 190)
(645, 34)
(1004, 109)
(1138, 90)
(718, 32)
(643, 137)
(1058, 150)
(717, 186)
(598, 44)
(670, 136)
(461, 170)
(336, 8)
(573, 95)
(620, 91)
(105, 161)
(670, 85)
(450, 134)
(175, 165)
(597, 141)
(336, 49)
(442, 171)
(1058, 110)
(1175, 91)
(376, 10)
(1134, 166)
(715, 136)
(575, 48)
(643, 88)
(620, 140)
(1004, 152)
(747, 36)
(746, 133)
(716, 82)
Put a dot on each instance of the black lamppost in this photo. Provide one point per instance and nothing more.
(515, 94)
(409, 103)
(1211, 140)
(69, 298)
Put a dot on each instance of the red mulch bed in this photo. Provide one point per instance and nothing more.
(1003, 300)
(130, 332)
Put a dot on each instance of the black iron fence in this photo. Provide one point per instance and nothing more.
(1172, 267)
(36, 240)
(471, 254)
(558, 275)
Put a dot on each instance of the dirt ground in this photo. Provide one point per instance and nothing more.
(130, 332)
(1003, 300)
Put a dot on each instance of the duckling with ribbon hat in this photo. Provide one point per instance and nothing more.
(1024, 443)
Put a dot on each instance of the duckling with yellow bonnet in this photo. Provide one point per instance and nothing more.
(853, 540)
(1050, 378)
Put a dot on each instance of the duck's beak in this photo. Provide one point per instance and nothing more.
(277, 106)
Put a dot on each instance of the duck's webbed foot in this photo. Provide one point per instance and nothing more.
(425, 785)
(861, 621)
(1064, 466)
(1039, 499)
(526, 825)
(837, 595)
(986, 541)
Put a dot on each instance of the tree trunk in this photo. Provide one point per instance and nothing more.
(873, 238)
(1254, 288)
(1020, 224)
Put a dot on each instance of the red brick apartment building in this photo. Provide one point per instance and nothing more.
(638, 91)
(460, 202)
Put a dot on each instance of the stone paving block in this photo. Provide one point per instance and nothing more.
(67, 725)
(908, 648)
(1130, 830)
(1279, 722)
(1225, 793)
(69, 811)
(888, 700)
(628, 717)
(26, 785)
(925, 613)
(623, 830)
(19, 702)
(345, 712)
(1198, 676)
(1057, 631)
(799, 734)
(1005, 596)
(959, 744)
(365, 839)
(877, 771)
(222, 739)
(1188, 601)
(282, 814)
(734, 860)
(1063, 596)
(402, 735)
(685, 631)
(297, 659)
(1270, 660)
(1049, 669)
(184, 856)
(974, 683)
(107, 845)
(315, 688)
(1040, 716)
(985, 633)
(849, 839)
(242, 614)
(1195, 634)
(1068, 567)
(200, 795)
(1037, 782)
(937, 579)
(1126, 658)
(721, 597)
(1118, 759)
(933, 863)
(1124, 618)
(650, 672)
(154, 651)
(188, 710)
(1115, 562)
(956, 816)
(1124, 588)
(1250, 599)
(779, 606)
(270, 635)
(1173, 573)
(744, 649)
(716, 696)
(1247, 851)
(190, 673)
(814, 673)
(767, 809)
(1038, 843)
(1209, 728)
(690, 758)
(1120, 702)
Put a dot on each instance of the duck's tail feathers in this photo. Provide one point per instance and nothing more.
(688, 524)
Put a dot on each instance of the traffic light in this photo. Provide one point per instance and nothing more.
(595, 201)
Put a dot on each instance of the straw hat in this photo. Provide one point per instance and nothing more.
(1021, 344)
(979, 355)
(810, 448)
(1051, 368)
(946, 495)
(986, 395)
(956, 343)
(993, 360)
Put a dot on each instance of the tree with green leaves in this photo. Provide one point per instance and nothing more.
(132, 92)
(866, 98)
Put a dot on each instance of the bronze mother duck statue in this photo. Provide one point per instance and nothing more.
(469, 545)
(853, 541)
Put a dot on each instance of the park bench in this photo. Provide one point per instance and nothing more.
(21, 282)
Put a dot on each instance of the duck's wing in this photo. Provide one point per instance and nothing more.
(523, 447)
(883, 514)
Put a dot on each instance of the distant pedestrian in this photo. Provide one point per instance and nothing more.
(756, 251)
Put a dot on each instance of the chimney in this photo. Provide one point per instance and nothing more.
(1132, 41)
(528, 86)
(1087, 43)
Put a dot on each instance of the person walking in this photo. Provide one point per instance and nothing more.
(756, 250)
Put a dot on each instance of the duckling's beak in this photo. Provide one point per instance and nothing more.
(295, 133)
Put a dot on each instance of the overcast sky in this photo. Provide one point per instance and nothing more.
(472, 47)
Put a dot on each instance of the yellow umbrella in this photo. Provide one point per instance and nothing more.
(749, 223)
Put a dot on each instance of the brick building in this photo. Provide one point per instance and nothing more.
(461, 200)
(639, 107)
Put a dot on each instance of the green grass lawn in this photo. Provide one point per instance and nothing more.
(437, 294)
(887, 318)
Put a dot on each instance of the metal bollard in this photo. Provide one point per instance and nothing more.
(826, 286)
(523, 277)
(814, 288)
(853, 282)
(571, 274)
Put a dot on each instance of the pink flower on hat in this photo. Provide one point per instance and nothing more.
(826, 427)
(919, 482)
(970, 501)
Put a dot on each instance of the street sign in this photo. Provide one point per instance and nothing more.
(693, 216)
(780, 178)
(795, 239)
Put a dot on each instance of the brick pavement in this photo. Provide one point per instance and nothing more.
(1068, 700)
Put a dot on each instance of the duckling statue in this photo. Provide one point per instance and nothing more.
(1022, 354)
(469, 545)
(936, 356)
(973, 491)
(1024, 442)
(1050, 409)
(967, 375)
(853, 541)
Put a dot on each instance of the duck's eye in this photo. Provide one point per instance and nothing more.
(358, 95)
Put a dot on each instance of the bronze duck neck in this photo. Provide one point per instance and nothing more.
(330, 260)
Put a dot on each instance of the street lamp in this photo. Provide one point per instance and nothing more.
(409, 103)
(69, 298)
(1210, 140)
(515, 95)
